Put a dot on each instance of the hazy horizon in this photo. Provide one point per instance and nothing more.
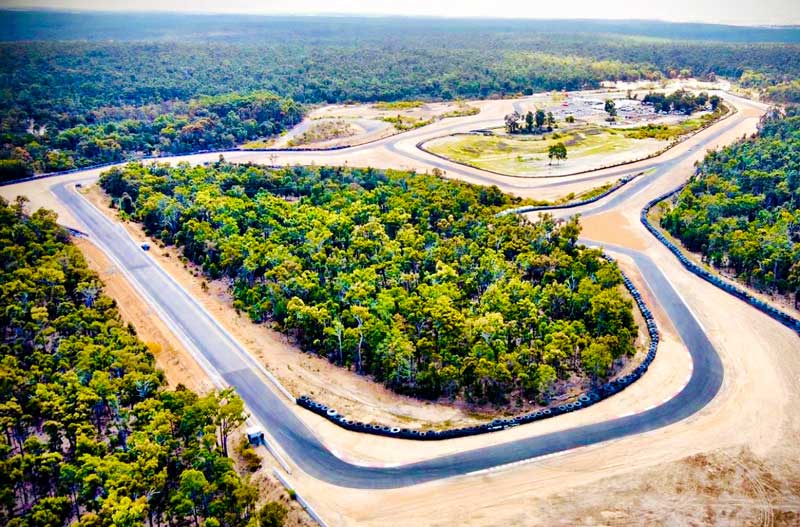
(749, 13)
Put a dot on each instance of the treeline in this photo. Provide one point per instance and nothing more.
(60, 101)
(104, 26)
(112, 134)
(681, 101)
(52, 87)
(784, 93)
(90, 437)
(742, 209)
(409, 278)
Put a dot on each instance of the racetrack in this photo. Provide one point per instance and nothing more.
(305, 448)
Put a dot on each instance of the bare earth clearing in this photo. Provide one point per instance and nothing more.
(368, 122)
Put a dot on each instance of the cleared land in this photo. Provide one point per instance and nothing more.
(355, 124)
(588, 147)
(591, 144)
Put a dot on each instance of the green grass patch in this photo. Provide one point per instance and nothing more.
(585, 195)
(521, 154)
(398, 105)
(462, 110)
(260, 143)
(403, 122)
(668, 132)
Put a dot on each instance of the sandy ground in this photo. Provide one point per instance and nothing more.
(367, 121)
(269, 487)
(731, 486)
(430, 110)
(359, 131)
(299, 372)
(180, 368)
(783, 302)
(612, 228)
(734, 462)
(667, 374)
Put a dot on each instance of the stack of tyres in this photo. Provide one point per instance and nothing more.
(780, 316)
(587, 399)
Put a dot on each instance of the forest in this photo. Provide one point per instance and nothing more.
(55, 141)
(409, 278)
(91, 437)
(741, 210)
(73, 103)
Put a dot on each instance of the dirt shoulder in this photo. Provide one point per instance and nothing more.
(178, 365)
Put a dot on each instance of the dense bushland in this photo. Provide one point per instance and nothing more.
(742, 208)
(410, 278)
(135, 89)
(90, 436)
(112, 133)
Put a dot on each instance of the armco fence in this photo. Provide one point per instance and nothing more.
(586, 399)
(777, 314)
(534, 208)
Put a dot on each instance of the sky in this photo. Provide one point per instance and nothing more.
(740, 12)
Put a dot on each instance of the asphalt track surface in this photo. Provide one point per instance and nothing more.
(238, 369)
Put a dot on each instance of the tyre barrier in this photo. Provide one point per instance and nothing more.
(781, 316)
(584, 400)
(621, 182)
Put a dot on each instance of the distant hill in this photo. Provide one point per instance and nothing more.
(56, 25)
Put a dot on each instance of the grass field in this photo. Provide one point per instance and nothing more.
(667, 132)
(587, 147)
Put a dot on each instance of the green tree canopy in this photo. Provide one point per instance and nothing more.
(410, 278)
